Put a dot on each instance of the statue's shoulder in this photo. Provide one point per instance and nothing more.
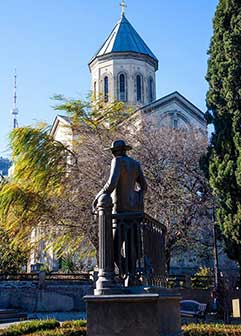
(133, 161)
(121, 159)
(116, 160)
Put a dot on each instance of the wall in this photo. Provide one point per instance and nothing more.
(64, 296)
(67, 296)
(51, 296)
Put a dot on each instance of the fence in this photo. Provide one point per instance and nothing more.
(139, 247)
(152, 279)
(40, 276)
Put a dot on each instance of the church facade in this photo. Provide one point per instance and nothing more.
(124, 69)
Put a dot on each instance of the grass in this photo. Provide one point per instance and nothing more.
(77, 331)
(211, 330)
(30, 327)
(74, 324)
(78, 328)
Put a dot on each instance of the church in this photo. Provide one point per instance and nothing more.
(124, 69)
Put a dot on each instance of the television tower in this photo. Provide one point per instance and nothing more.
(14, 110)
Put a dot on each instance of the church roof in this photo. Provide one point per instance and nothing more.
(59, 119)
(124, 38)
(181, 100)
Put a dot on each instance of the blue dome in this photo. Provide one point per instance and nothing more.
(124, 38)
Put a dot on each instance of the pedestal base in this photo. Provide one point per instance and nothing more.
(152, 314)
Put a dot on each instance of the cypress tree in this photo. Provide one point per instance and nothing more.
(224, 111)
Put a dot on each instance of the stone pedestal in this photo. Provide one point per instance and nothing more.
(105, 283)
(152, 314)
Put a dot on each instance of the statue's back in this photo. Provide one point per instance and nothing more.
(128, 195)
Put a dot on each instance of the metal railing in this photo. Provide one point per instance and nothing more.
(132, 241)
(139, 247)
(45, 276)
(19, 277)
(67, 276)
(147, 275)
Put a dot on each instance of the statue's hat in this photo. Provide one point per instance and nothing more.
(119, 145)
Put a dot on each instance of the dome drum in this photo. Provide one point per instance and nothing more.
(123, 66)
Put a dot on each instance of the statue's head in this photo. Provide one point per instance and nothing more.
(119, 147)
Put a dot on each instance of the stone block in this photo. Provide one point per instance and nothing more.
(149, 314)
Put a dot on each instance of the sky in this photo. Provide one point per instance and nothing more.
(50, 43)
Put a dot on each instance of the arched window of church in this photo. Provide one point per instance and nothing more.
(122, 87)
(106, 89)
(151, 89)
(138, 88)
(95, 90)
(175, 123)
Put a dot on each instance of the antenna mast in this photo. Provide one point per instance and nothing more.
(14, 110)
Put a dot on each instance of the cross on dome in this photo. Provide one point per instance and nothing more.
(123, 6)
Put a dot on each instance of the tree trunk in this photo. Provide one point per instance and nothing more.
(239, 280)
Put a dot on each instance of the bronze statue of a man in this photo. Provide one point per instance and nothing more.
(127, 187)
(126, 183)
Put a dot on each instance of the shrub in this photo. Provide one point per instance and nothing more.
(203, 278)
(73, 324)
(76, 331)
(30, 327)
(211, 330)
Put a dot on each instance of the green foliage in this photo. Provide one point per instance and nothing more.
(211, 330)
(25, 328)
(78, 328)
(67, 264)
(224, 105)
(202, 278)
(93, 113)
(12, 257)
(204, 271)
(77, 331)
(46, 328)
(39, 166)
(36, 156)
(74, 324)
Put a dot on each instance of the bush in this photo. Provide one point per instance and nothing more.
(78, 328)
(76, 331)
(30, 327)
(203, 278)
(211, 330)
(74, 324)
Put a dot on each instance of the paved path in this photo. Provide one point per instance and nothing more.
(58, 316)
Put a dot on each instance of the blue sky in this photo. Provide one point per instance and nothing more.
(50, 42)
